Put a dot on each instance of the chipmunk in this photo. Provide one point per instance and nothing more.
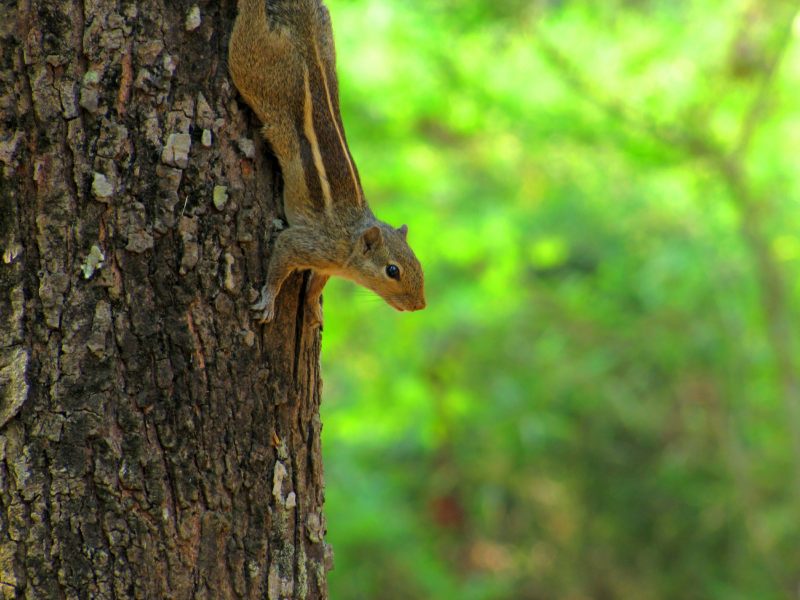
(282, 60)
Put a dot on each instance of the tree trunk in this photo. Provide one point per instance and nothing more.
(155, 442)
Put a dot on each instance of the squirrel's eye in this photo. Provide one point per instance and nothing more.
(393, 271)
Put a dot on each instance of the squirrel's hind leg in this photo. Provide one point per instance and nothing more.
(316, 282)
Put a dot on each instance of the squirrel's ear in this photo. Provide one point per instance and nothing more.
(403, 231)
(371, 238)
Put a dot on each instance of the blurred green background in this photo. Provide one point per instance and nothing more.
(602, 398)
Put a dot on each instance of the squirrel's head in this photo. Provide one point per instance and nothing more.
(383, 262)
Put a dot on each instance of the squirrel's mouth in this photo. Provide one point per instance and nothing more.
(406, 306)
(394, 305)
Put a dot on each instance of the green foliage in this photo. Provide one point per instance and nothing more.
(602, 399)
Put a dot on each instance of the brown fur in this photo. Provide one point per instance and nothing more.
(282, 60)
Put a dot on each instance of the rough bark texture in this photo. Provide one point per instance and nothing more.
(154, 441)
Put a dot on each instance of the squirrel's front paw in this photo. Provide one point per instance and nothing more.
(264, 316)
(265, 307)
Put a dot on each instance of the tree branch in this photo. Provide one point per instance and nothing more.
(776, 309)
(701, 145)
(758, 107)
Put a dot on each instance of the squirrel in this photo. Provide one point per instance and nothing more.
(282, 60)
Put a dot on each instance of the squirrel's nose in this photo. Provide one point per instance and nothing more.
(420, 304)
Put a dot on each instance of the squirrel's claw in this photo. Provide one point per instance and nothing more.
(265, 316)
(265, 307)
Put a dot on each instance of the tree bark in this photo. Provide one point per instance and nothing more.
(155, 442)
